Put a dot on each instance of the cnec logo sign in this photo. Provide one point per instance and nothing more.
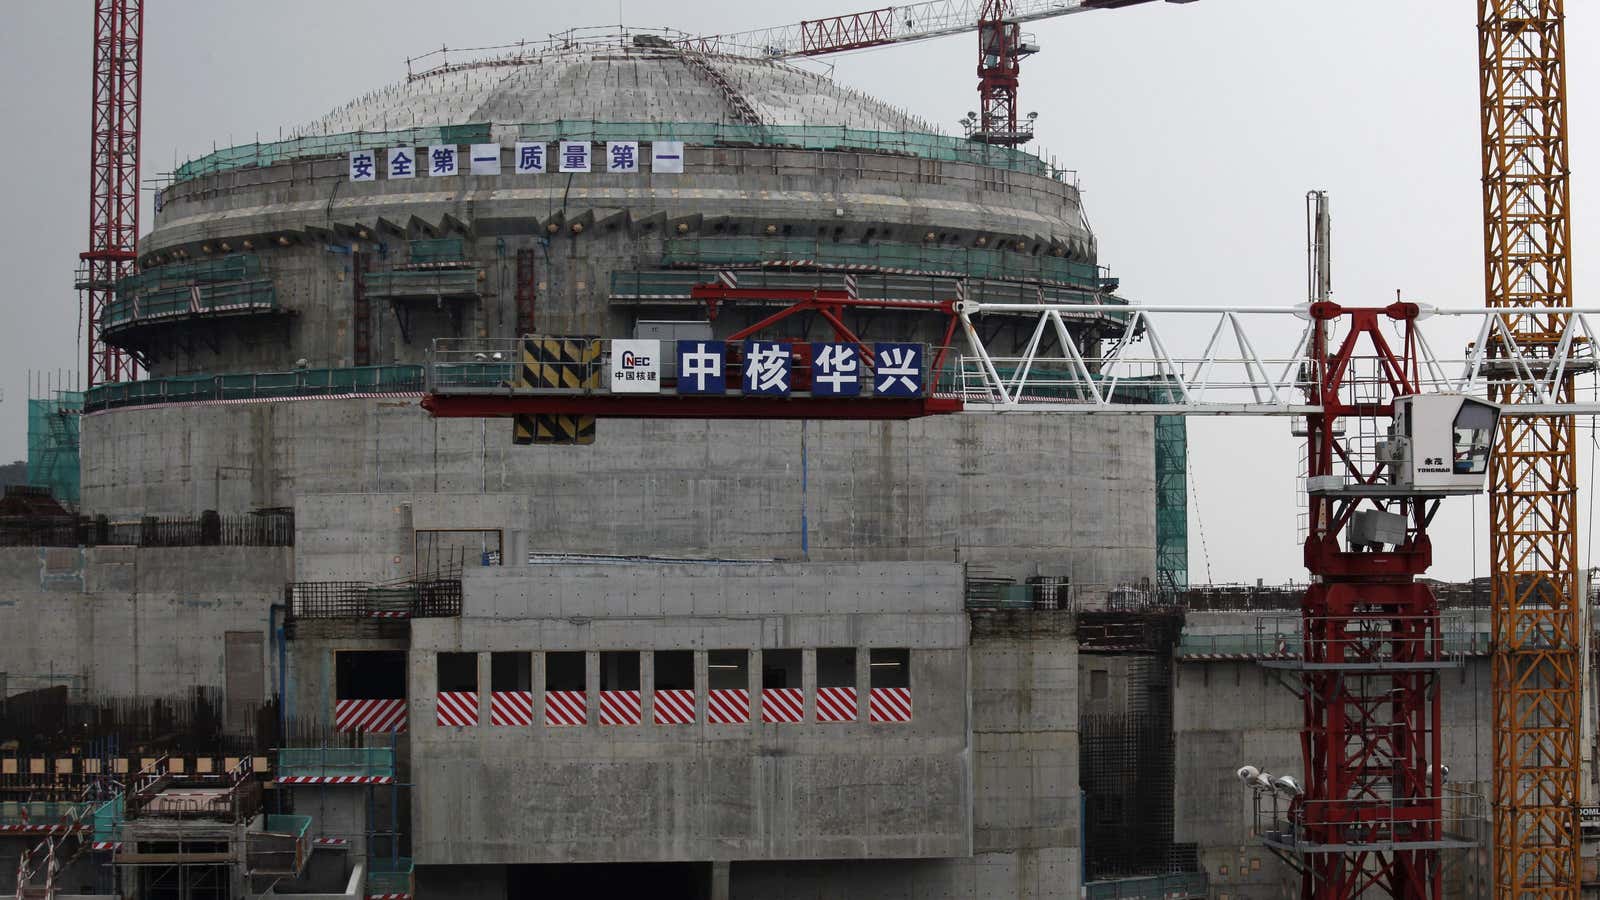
(635, 367)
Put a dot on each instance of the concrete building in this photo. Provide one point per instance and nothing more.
(715, 657)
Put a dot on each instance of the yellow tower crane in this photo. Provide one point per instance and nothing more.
(1533, 504)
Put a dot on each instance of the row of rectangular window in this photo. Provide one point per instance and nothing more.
(366, 704)
(621, 670)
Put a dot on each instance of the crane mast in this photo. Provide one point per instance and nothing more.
(1537, 660)
(113, 178)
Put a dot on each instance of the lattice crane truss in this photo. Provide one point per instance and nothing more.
(113, 178)
(1537, 660)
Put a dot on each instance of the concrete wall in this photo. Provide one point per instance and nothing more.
(1022, 493)
(1025, 695)
(134, 622)
(699, 792)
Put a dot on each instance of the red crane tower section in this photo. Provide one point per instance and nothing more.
(113, 177)
(1371, 817)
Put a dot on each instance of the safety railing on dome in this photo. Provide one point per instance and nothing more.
(944, 148)
(801, 137)
(970, 262)
(259, 154)
(234, 267)
(255, 386)
(675, 285)
(436, 251)
(196, 300)
(423, 283)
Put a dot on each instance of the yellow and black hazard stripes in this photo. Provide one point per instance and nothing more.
(538, 428)
(556, 363)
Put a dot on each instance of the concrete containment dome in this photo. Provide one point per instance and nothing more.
(620, 83)
(287, 304)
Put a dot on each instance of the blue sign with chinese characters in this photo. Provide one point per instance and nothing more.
(835, 370)
(899, 370)
(766, 369)
(701, 367)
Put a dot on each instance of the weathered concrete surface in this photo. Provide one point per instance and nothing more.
(134, 622)
(700, 792)
(1023, 493)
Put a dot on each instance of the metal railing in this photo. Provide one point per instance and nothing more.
(1282, 637)
(322, 762)
(42, 813)
(806, 137)
(195, 300)
(460, 283)
(389, 875)
(1322, 826)
(240, 802)
(359, 380)
(210, 529)
(280, 848)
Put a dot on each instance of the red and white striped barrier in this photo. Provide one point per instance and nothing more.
(388, 614)
(512, 709)
(370, 715)
(728, 706)
(783, 705)
(620, 708)
(335, 779)
(331, 842)
(458, 709)
(566, 708)
(889, 704)
(675, 707)
(42, 829)
(112, 846)
(388, 897)
(836, 704)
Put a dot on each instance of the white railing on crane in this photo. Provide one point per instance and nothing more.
(1256, 360)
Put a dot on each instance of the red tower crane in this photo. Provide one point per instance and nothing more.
(113, 178)
(1001, 45)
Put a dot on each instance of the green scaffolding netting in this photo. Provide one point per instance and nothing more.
(939, 147)
(1172, 503)
(53, 445)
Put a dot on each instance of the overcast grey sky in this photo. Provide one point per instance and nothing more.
(1195, 129)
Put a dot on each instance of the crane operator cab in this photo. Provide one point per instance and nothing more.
(1440, 443)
